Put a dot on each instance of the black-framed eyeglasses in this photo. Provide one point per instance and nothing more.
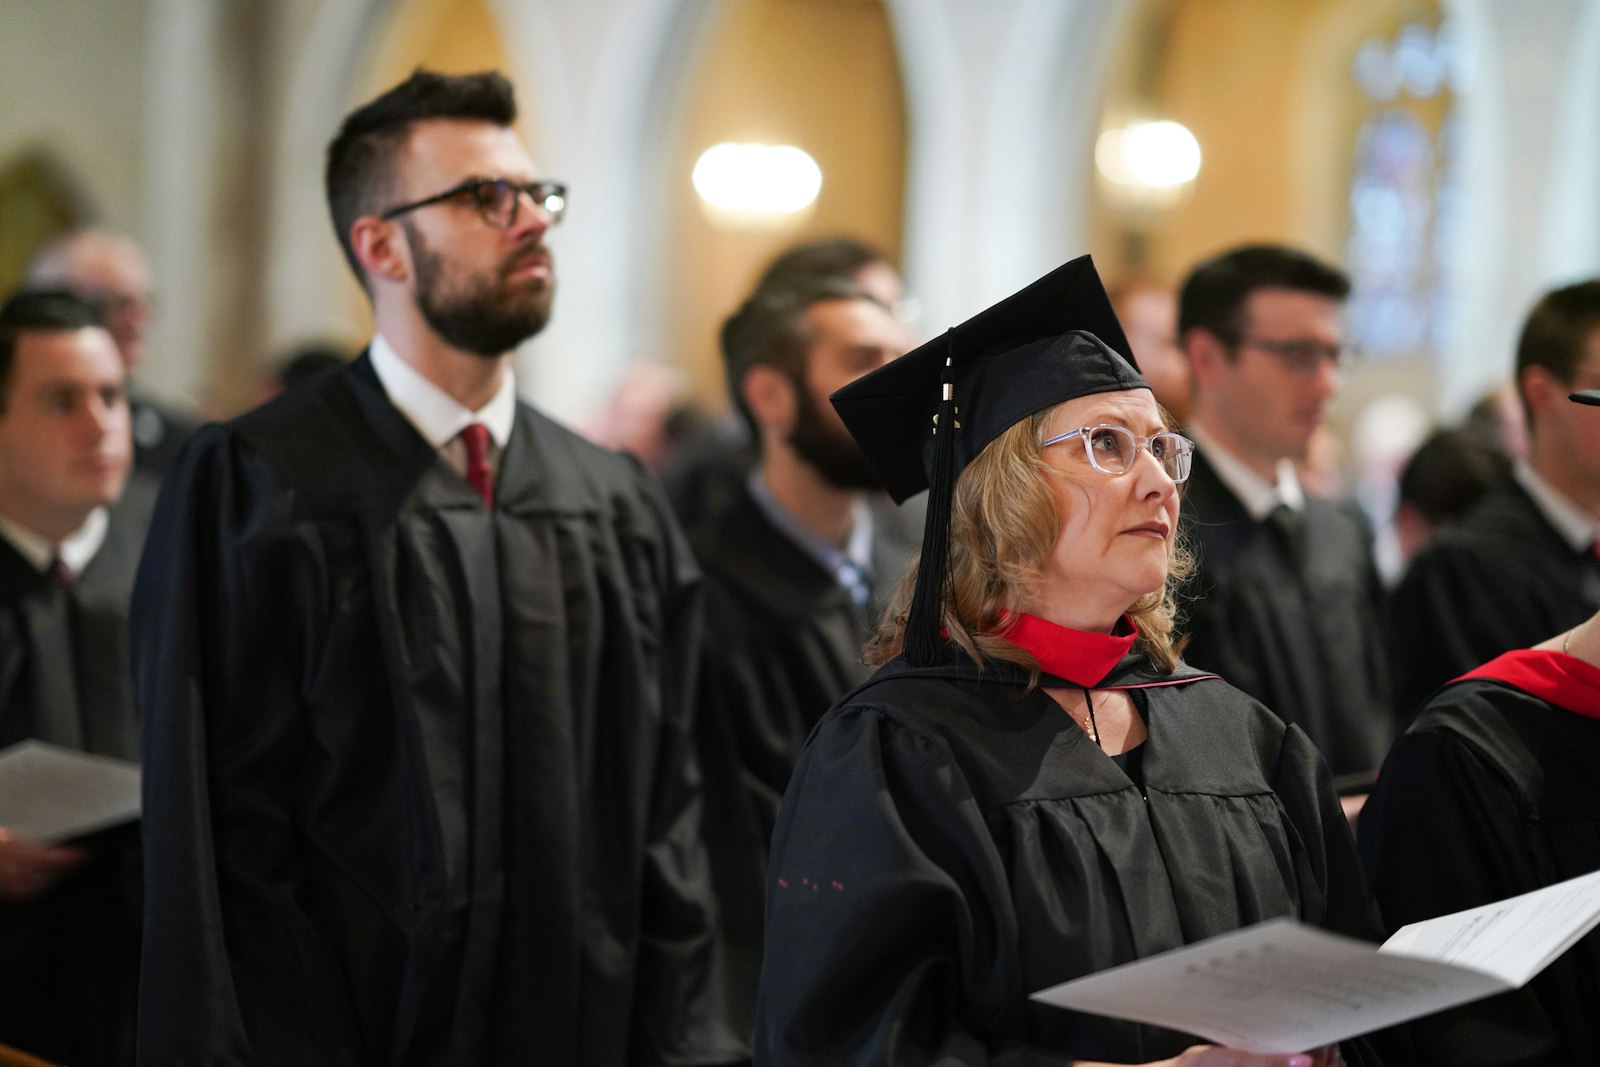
(1300, 357)
(498, 200)
(1113, 449)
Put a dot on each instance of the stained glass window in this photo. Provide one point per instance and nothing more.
(1403, 190)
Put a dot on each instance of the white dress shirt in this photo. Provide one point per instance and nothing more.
(75, 552)
(437, 415)
(1577, 527)
(1259, 496)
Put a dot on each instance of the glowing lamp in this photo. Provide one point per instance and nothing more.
(756, 186)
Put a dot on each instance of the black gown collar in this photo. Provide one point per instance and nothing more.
(1134, 671)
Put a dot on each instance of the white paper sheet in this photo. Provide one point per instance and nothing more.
(1282, 986)
(1513, 939)
(52, 794)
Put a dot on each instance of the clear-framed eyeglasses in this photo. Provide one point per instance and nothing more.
(497, 200)
(1113, 449)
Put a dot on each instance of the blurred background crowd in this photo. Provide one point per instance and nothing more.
(1443, 154)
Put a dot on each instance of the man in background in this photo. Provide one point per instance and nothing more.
(69, 917)
(110, 271)
(797, 572)
(1286, 597)
(1521, 564)
(838, 257)
(707, 476)
(416, 664)
(1442, 479)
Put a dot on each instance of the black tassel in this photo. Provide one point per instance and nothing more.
(924, 645)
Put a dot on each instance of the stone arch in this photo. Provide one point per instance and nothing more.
(38, 200)
(303, 264)
(612, 87)
(1571, 238)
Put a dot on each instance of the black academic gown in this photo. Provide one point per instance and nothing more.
(1489, 794)
(69, 959)
(1302, 635)
(783, 644)
(159, 432)
(951, 843)
(1498, 579)
(418, 780)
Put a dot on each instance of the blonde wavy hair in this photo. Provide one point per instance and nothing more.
(1004, 525)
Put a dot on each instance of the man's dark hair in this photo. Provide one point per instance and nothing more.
(1214, 294)
(360, 170)
(1555, 335)
(1449, 471)
(835, 257)
(36, 311)
(770, 330)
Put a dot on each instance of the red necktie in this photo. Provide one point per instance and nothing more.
(61, 574)
(479, 474)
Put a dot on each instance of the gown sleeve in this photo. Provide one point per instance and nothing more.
(1441, 833)
(679, 1015)
(1335, 894)
(221, 599)
(890, 932)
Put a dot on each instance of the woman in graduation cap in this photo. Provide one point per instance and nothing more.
(1033, 787)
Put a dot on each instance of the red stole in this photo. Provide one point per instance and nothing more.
(1555, 677)
(1081, 657)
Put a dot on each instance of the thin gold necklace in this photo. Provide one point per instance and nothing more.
(1090, 727)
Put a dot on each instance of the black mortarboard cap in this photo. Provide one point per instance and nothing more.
(1055, 340)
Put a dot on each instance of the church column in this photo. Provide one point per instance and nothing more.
(1519, 114)
(607, 78)
(180, 188)
(1004, 101)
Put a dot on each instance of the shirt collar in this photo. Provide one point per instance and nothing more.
(437, 415)
(1577, 527)
(857, 551)
(1258, 495)
(76, 551)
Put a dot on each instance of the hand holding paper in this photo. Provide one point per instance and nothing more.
(29, 869)
(1281, 986)
(50, 794)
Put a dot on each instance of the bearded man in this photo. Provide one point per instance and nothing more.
(797, 571)
(415, 665)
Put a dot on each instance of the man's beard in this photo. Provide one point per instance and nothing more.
(829, 448)
(472, 314)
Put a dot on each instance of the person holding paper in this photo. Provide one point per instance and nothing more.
(1033, 786)
(1491, 793)
(110, 271)
(69, 921)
